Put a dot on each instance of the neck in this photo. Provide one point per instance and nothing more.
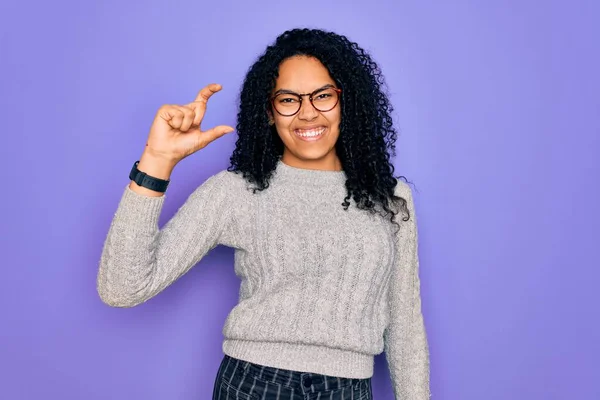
(331, 163)
(307, 176)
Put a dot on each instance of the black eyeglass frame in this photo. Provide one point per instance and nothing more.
(310, 98)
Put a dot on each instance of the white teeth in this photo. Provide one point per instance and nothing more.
(310, 133)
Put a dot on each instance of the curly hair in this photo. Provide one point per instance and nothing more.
(367, 136)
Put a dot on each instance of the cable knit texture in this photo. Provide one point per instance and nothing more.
(322, 289)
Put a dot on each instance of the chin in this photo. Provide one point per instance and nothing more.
(315, 155)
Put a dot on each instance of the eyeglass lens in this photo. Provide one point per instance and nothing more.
(289, 103)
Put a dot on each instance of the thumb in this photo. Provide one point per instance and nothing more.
(214, 133)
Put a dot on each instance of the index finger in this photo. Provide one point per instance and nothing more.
(207, 91)
(199, 104)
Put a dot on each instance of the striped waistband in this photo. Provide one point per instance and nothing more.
(293, 379)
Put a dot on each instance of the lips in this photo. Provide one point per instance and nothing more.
(310, 134)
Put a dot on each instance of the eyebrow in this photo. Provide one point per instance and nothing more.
(287, 91)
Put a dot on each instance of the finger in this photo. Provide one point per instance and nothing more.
(188, 118)
(214, 133)
(207, 91)
(197, 114)
(199, 104)
(173, 115)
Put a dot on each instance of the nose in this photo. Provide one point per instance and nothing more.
(307, 111)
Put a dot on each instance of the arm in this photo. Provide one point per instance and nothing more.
(405, 338)
(138, 260)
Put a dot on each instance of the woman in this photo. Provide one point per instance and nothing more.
(325, 237)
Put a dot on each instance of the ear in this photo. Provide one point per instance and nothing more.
(270, 115)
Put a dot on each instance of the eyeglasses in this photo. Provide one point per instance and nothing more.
(288, 103)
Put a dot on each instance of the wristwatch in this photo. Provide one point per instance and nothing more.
(147, 181)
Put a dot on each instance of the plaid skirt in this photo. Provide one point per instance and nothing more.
(243, 380)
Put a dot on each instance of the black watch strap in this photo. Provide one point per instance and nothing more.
(147, 181)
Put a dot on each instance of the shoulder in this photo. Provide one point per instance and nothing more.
(403, 190)
(406, 206)
(227, 181)
(223, 187)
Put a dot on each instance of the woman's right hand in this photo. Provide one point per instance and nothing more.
(176, 131)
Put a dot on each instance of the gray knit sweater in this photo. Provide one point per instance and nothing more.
(322, 289)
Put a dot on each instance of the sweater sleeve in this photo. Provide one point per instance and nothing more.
(405, 338)
(139, 260)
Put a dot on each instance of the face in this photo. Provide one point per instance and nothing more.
(309, 136)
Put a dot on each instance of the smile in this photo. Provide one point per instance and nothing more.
(310, 135)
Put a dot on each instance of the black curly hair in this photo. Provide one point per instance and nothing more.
(367, 136)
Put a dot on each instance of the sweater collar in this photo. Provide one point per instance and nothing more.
(313, 177)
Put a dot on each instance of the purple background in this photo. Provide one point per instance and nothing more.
(498, 111)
